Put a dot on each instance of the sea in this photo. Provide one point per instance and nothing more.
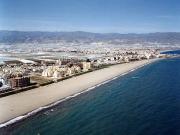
(143, 102)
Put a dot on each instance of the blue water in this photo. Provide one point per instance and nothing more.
(173, 52)
(144, 102)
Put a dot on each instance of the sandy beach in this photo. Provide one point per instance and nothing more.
(22, 103)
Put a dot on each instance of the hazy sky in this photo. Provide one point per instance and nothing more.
(123, 16)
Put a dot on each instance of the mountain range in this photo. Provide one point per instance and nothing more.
(50, 37)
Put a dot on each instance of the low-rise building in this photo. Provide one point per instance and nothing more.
(18, 82)
(86, 66)
(60, 71)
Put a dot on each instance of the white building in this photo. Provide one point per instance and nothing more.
(59, 72)
(86, 66)
(3, 84)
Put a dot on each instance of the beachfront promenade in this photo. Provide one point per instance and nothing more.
(20, 104)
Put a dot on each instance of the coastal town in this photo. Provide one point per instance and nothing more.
(25, 74)
(89, 67)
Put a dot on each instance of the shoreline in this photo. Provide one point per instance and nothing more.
(34, 102)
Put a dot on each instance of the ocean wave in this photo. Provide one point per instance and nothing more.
(135, 77)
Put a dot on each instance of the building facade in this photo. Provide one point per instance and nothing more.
(19, 82)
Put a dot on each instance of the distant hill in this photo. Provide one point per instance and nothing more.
(45, 37)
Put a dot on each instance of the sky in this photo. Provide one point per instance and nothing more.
(100, 16)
